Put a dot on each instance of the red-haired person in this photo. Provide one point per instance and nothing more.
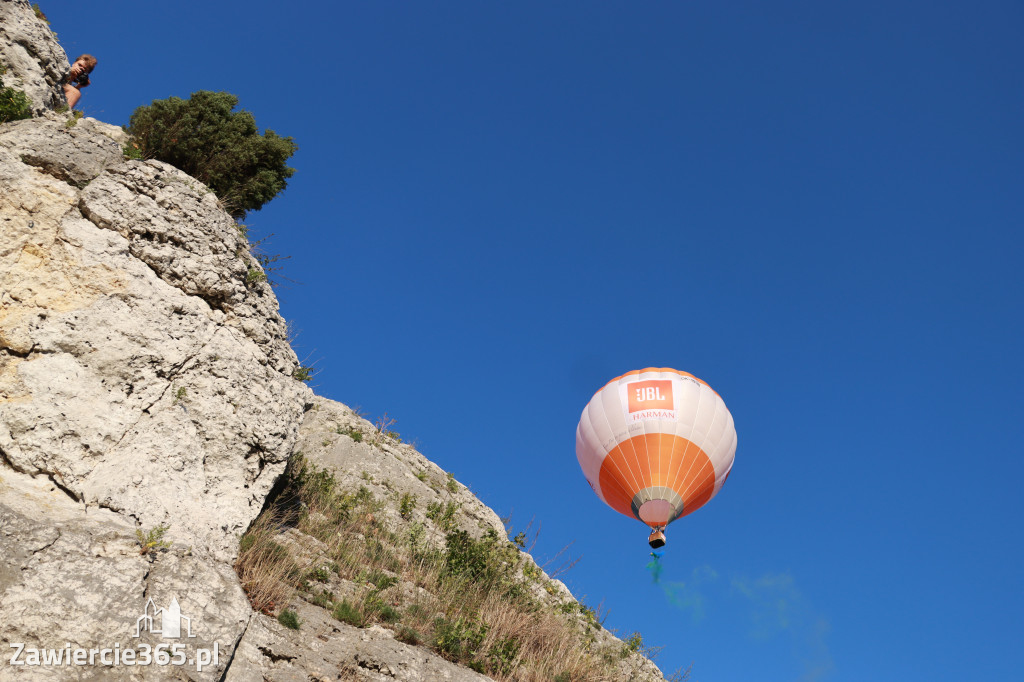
(78, 78)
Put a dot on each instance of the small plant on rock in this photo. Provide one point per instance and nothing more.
(355, 435)
(131, 151)
(443, 515)
(406, 505)
(323, 598)
(289, 619)
(14, 104)
(348, 613)
(255, 276)
(321, 574)
(409, 636)
(385, 432)
(302, 373)
(152, 540)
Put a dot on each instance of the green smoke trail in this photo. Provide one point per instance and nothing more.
(685, 598)
(655, 567)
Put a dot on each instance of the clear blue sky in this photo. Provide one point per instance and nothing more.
(814, 206)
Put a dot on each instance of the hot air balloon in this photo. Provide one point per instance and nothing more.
(656, 444)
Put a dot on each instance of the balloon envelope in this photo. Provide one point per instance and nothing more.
(656, 444)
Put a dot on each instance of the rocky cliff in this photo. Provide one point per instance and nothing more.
(149, 406)
(35, 61)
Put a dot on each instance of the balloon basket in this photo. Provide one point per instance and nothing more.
(656, 539)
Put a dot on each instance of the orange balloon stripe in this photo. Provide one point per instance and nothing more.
(621, 480)
(634, 456)
(676, 463)
(699, 497)
(687, 464)
(699, 489)
(616, 495)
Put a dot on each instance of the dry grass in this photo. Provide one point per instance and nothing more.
(385, 432)
(475, 606)
(265, 568)
(546, 646)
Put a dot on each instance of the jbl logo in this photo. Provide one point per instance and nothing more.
(650, 395)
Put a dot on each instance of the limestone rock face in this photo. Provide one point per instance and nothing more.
(73, 576)
(73, 150)
(145, 382)
(326, 649)
(388, 468)
(34, 59)
(141, 371)
(175, 225)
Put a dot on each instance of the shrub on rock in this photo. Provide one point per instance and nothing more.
(14, 104)
(222, 148)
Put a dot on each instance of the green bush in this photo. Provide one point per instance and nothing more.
(14, 104)
(458, 639)
(312, 483)
(501, 657)
(406, 505)
(349, 613)
(632, 645)
(289, 619)
(220, 147)
(372, 605)
(443, 515)
(488, 561)
(377, 578)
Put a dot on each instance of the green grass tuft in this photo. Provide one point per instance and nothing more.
(289, 619)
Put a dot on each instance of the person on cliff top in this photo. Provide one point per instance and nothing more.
(78, 78)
